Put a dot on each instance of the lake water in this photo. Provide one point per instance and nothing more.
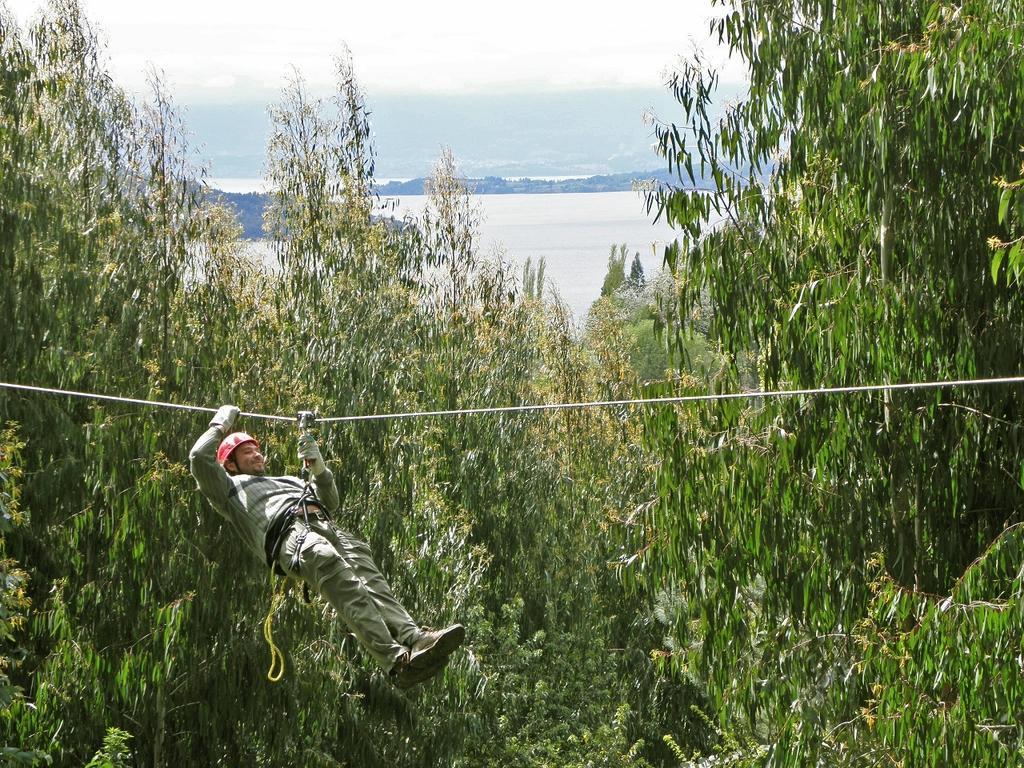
(574, 233)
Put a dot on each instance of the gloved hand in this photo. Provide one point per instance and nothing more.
(310, 454)
(225, 418)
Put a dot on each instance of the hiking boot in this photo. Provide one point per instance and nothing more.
(405, 675)
(435, 646)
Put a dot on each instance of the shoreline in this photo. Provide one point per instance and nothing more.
(486, 185)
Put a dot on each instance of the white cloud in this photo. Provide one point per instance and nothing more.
(401, 45)
(221, 81)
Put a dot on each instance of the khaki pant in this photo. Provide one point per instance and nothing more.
(341, 568)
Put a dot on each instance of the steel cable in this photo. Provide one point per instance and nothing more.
(752, 395)
(134, 401)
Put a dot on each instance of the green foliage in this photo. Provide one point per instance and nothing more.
(614, 327)
(854, 181)
(634, 318)
(533, 279)
(1011, 216)
(636, 279)
(14, 600)
(546, 692)
(115, 752)
(944, 671)
(616, 275)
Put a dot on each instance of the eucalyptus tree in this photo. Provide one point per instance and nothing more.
(842, 562)
(88, 301)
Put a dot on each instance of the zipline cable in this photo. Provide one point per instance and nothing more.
(687, 399)
(766, 394)
(133, 401)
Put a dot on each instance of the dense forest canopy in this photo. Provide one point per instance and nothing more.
(815, 581)
(848, 568)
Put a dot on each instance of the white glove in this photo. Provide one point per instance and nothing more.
(225, 418)
(310, 454)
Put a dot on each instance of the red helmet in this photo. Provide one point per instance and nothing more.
(228, 444)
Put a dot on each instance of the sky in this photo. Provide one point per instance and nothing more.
(230, 50)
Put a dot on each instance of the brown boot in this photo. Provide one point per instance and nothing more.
(435, 646)
(405, 675)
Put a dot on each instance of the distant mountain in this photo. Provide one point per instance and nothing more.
(249, 206)
(496, 185)
(571, 133)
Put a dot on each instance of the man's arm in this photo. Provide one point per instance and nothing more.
(323, 478)
(327, 490)
(213, 480)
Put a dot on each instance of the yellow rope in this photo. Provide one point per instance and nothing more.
(277, 594)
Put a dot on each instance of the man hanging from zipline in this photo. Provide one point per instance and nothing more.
(287, 525)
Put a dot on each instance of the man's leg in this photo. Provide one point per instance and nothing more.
(357, 555)
(322, 566)
(429, 650)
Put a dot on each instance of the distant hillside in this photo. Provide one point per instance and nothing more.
(249, 206)
(564, 133)
(495, 185)
(507, 134)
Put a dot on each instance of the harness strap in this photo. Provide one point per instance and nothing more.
(272, 543)
(274, 539)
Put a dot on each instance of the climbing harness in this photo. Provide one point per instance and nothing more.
(274, 539)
